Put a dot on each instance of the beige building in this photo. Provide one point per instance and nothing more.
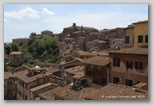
(141, 34)
(16, 58)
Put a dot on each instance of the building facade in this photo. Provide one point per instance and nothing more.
(129, 36)
(20, 41)
(141, 34)
(129, 66)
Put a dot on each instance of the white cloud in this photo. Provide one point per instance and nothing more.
(23, 13)
(46, 11)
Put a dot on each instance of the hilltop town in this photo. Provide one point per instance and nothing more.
(80, 63)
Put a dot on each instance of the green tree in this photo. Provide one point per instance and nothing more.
(14, 47)
(7, 49)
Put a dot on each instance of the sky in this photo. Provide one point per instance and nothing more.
(22, 19)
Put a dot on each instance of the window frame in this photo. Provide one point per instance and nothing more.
(138, 65)
(129, 64)
(140, 39)
(127, 39)
(146, 38)
(116, 62)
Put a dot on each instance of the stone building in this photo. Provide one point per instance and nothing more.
(75, 32)
(129, 66)
(20, 41)
(111, 34)
(16, 58)
(117, 44)
(34, 81)
(9, 86)
(33, 35)
(46, 32)
(141, 34)
(26, 83)
(129, 36)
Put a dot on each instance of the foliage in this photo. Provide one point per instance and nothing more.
(37, 50)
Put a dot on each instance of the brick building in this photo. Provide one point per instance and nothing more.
(75, 32)
(129, 66)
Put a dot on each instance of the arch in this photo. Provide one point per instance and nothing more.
(96, 75)
(89, 71)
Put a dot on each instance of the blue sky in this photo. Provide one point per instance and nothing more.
(22, 19)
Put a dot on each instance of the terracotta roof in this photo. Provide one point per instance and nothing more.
(16, 52)
(97, 60)
(48, 95)
(101, 53)
(75, 70)
(78, 75)
(67, 93)
(23, 75)
(140, 85)
(39, 87)
(7, 75)
(37, 69)
(116, 92)
(133, 50)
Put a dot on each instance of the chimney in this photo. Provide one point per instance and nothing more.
(74, 24)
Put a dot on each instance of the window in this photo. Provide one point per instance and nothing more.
(138, 65)
(129, 82)
(116, 80)
(146, 39)
(129, 64)
(116, 62)
(140, 39)
(127, 39)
